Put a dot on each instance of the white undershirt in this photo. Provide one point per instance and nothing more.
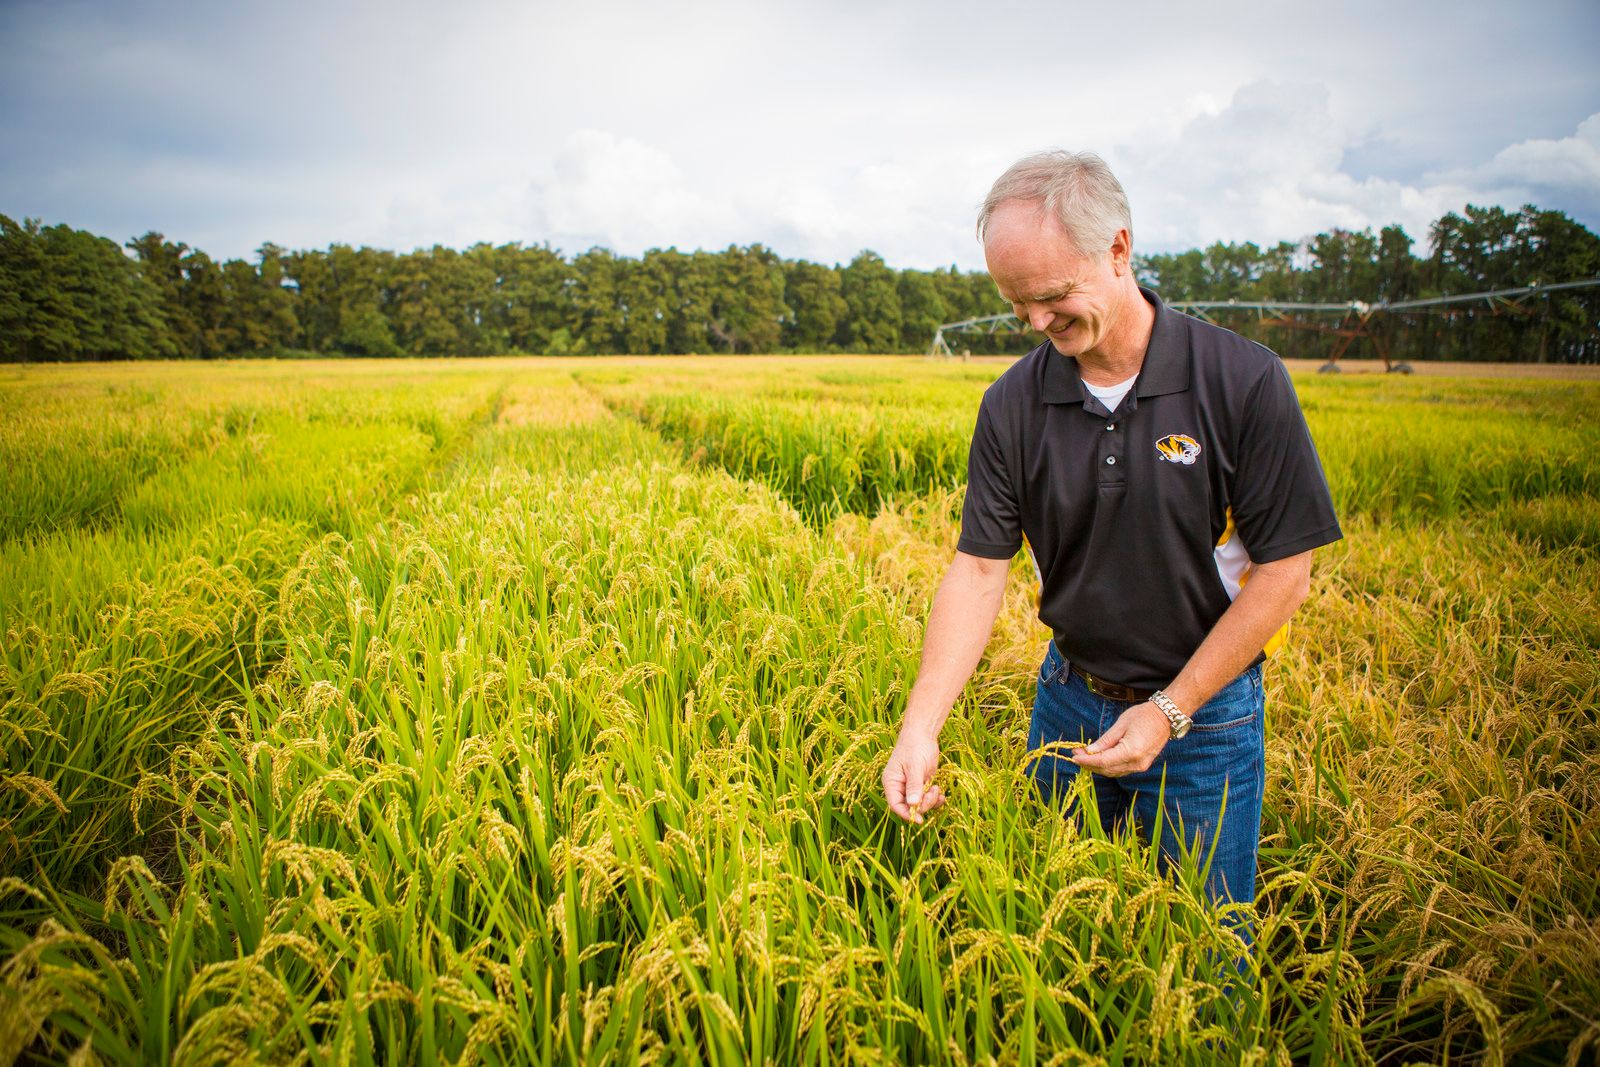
(1110, 395)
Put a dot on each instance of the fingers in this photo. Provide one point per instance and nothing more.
(916, 799)
(1114, 757)
(1110, 739)
(894, 788)
(908, 777)
(908, 795)
(905, 794)
(1106, 754)
(1104, 751)
(1130, 746)
(922, 805)
(1109, 762)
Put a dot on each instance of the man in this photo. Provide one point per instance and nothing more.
(1161, 472)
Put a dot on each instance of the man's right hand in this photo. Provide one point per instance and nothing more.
(963, 613)
(907, 780)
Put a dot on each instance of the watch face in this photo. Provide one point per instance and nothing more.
(1182, 728)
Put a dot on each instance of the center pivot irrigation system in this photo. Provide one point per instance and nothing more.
(1349, 321)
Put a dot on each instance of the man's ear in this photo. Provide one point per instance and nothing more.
(1121, 252)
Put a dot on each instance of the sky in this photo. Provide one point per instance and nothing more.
(818, 129)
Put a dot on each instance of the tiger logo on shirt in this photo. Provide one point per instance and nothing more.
(1179, 448)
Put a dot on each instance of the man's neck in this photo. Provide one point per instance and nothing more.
(1121, 355)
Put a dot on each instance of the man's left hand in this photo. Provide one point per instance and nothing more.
(1131, 745)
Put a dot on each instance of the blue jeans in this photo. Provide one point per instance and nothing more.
(1225, 749)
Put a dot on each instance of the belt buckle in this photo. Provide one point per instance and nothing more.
(1099, 688)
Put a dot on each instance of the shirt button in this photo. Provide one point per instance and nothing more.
(1111, 460)
(1111, 426)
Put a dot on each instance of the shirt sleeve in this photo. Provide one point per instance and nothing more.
(990, 522)
(1280, 499)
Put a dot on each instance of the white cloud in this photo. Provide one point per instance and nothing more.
(818, 129)
(605, 189)
(615, 191)
(1269, 167)
(1240, 171)
(1567, 168)
(890, 208)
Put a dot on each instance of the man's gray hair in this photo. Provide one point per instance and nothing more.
(1077, 187)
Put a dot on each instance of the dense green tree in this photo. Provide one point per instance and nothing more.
(869, 292)
(534, 296)
(921, 308)
(67, 294)
(694, 281)
(44, 324)
(204, 297)
(243, 328)
(1232, 270)
(1344, 263)
(964, 295)
(1479, 249)
(816, 306)
(747, 308)
(438, 298)
(1278, 278)
(646, 299)
(361, 280)
(22, 280)
(1561, 250)
(1396, 275)
(1176, 275)
(419, 315)
(258, 315)
(316, 298)
(161, 267)
(595, 301)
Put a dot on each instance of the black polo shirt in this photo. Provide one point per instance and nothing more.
(1144, 522)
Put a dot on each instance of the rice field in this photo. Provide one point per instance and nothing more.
(533, 711)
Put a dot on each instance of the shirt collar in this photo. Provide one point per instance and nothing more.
(1165, 368)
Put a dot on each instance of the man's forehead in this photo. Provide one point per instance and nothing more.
(1029, 230)
(1027, 216)
(1033, 268)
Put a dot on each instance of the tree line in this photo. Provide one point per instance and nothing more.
(68, 294)
(1482, 249)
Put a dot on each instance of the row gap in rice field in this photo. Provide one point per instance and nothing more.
(1508, 456)
(824, 445)
(879, 470)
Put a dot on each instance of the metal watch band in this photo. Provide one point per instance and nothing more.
(1179, 721)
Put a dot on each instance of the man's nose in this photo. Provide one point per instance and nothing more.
(1039, 318)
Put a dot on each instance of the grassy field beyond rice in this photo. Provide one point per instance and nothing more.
(534, 711)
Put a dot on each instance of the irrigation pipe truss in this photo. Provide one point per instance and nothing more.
(1353, 317)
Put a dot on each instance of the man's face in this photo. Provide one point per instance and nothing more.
(1072, 298)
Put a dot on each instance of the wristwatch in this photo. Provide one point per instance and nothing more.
(1180, 722)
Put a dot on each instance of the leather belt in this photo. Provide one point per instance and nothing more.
(1111, 690)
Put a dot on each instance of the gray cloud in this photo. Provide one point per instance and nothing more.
(1561, 170)
(1269, 166)
(818, 129)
